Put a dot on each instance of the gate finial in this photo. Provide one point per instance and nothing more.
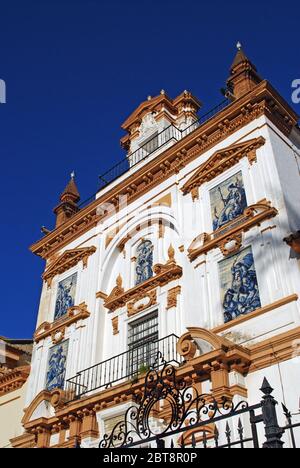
(266, 388)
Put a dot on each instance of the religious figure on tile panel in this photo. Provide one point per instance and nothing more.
(65, 296)
(228, 201)
(144, 262)
(239, 287)
(56, 369)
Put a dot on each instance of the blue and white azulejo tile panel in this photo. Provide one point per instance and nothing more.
(228, 200)
(238, 284)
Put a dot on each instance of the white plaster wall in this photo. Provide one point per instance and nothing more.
(11, 413)
(284, 379)
(199, 304)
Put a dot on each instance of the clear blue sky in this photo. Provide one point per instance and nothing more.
(75, 69)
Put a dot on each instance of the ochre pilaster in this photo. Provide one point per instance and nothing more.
(43, 436)
(220, 380)
(89, 424)
(75, 422)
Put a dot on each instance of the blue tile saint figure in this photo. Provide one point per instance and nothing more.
(144, 262)
(228, 201)
(57, 367)
(242, 297)
(65, 296)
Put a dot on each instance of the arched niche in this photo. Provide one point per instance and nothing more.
(131, 234)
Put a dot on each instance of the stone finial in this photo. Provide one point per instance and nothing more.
(171, 254)
(68, 202)
(119, 281)
(243, 74)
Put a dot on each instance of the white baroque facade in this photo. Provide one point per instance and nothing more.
(168, 247)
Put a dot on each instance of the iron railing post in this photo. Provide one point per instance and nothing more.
(273, 432)
(160, 443)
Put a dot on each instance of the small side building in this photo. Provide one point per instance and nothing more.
(15, 358)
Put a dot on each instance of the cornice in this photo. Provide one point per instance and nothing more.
(263, 100)
(222, 160)
(13, 379)
(274, 350)
(253, 215)
(163, 274)
(256, 313)
(57, 329)
(67, 260)
(166, 274)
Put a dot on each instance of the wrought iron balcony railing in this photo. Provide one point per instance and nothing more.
(126, 366)
(160, 140)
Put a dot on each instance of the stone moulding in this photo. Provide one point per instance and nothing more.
(57, 329)
(13, 379)
(67, 260)
(221, 161)
(142, 303)
(253, 215)
(256, 313)
(263, 100)
(172, 299)
(164, 274)
(115, 325)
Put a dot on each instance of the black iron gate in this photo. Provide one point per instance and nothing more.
(171, 414)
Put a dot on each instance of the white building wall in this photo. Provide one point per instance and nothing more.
(271, 177)
(11, 412)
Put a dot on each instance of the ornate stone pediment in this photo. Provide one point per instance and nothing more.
(229, 237)
(222, 160)
(211, 350)
(57, 329)
(66, 261)
(163, 274)
(39, 408)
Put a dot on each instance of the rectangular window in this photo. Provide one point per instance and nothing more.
(142, 344)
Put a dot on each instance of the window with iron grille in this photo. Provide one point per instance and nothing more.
(142, 344)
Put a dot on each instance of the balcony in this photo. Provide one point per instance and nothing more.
(126, 366)
(162, 140)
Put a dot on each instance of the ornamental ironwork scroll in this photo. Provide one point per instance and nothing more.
(168, 406)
